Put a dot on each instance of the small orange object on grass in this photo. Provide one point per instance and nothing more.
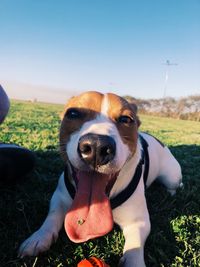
(92, 262)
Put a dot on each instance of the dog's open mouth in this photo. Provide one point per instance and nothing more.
(90, 215)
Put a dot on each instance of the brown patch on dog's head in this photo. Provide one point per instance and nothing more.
(77, 111)
(125, 117)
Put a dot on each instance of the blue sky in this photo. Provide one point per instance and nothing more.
(106, 45)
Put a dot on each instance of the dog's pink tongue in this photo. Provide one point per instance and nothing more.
(90, 215)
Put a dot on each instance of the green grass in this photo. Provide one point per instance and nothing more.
(175, 235)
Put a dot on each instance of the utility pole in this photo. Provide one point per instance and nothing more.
(168, 64)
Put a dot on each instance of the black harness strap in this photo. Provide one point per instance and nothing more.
(129, 190)
(124, 195)
(146, 158)
(70, 188)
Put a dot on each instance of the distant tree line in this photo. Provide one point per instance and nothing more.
(187, 108)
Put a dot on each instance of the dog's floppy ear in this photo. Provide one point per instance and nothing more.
(135, 109)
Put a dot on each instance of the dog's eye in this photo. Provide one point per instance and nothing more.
(125, 119)
(73, 113)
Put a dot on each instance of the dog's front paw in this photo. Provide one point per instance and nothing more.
(38, 242)
(131, 260)
(125, 262)
(122, 262)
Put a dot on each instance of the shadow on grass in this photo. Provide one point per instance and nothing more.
(24, 207)
(170, 242)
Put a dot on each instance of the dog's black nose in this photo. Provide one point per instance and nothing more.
(96, 150)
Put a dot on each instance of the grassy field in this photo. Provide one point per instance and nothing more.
(175, 236)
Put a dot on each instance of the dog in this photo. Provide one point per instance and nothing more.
(109, 163)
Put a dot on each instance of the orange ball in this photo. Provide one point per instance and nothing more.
(92, 262)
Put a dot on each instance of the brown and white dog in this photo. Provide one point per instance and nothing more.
(104, 155)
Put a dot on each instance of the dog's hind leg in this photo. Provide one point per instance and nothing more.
(42, 239)
(170, 172)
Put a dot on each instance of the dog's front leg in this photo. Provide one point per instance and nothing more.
(133, 218)
(135, 236)
(42, 239)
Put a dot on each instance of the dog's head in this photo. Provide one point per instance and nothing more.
(98, 132)
(98, 136)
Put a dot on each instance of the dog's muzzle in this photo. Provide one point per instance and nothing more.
(96, 150)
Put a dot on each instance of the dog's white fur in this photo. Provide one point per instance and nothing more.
(132, 216)
(100, 125)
